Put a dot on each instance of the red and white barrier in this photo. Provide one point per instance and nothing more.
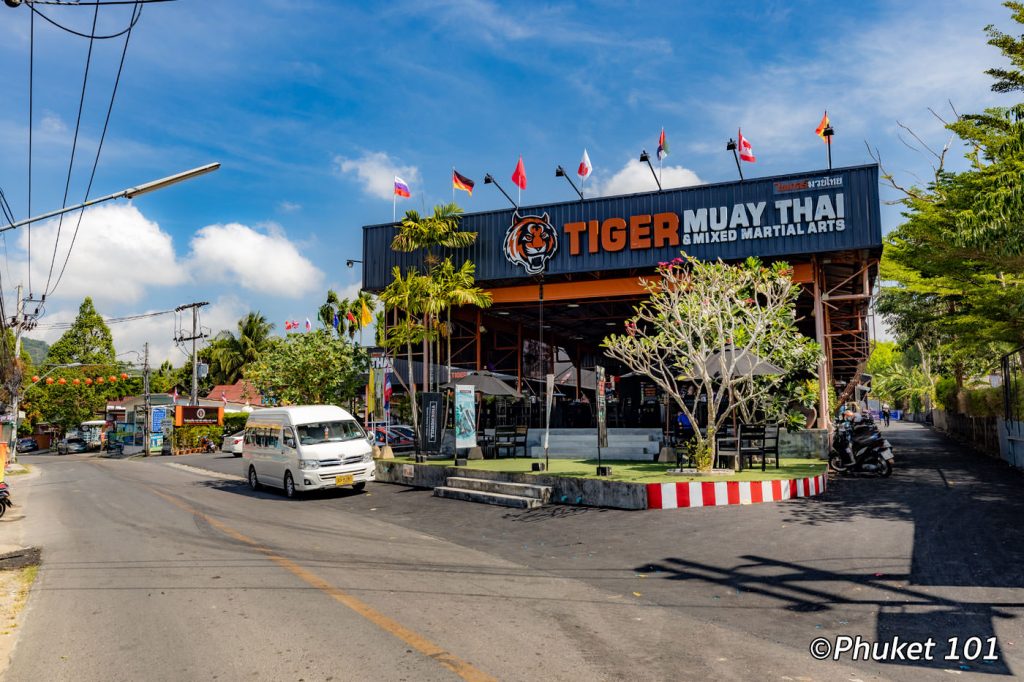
(721, 493)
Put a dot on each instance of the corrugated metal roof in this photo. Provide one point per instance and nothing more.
(857, 185)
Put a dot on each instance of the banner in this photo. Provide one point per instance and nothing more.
(194, 415)
(547, 408)
(465, 417)
(157, 414)
(602, 409)
(430, 423)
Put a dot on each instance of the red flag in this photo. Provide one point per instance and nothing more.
(746, 151)
(519, 177)
(350, 317)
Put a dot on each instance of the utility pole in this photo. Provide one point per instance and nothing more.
(196, 334)
(145, 389)
(19, 318)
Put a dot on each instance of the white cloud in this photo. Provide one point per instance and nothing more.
(636, 176)
(265, 262)
(376, 171)
(288, 207)
(118, 254)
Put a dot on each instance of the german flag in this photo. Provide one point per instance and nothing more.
(462, 182)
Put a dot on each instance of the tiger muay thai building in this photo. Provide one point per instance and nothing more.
(565, 275)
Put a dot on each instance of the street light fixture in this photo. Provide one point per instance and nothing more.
(489, 180)
(560, 173)
(646, 158)
(352, 261)
(129, 193)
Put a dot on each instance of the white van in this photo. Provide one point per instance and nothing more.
(306, 447)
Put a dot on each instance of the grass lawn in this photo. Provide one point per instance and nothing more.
(631, 471)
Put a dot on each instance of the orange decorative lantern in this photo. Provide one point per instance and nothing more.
(49, 380)
(88, 382)
(75, 382)
(35, 379)
(62, 381)
(99, 380)
(124, 375)
(113, 379)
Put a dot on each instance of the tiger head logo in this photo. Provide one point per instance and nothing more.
(531, 242)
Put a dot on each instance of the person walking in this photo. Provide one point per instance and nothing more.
(886, 413)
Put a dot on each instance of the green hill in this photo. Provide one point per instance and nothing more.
(36, 349)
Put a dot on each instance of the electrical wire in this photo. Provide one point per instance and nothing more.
(91, 36)
(137, 11)
(74, 146)
(108, 320)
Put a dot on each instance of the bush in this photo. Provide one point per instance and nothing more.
(945, 395)
(985, 402)
(234, 422)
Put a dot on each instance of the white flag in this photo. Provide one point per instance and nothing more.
(585, 167)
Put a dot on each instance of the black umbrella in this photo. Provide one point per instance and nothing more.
(485, 382)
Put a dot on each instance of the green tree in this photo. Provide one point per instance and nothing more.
(310, 368)
(230, 354)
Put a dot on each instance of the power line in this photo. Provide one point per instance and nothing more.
(74, 144)
(106, 320)
(91, 36)
(99, 148)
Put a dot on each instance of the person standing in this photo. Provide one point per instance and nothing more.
(886, 413)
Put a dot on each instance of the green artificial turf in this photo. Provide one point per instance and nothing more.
(632, 471)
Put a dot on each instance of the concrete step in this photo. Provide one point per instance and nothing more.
(611, 432)
(590, 452)
(516, 501)
(541, 492)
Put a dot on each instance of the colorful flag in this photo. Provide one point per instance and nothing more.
(662, 145)
(366, 317)
(401, 189)
(820, 130)
(350, 317)
(746, 151)
(336, 320)
(460, 181)
(224, 397)
(387, 391)
(585, 167)
(309, 325)
(175, 395)
(371, 394)
(519, 176)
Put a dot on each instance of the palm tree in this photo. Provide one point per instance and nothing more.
(230, 353)
(333, 307)
(451, 287)
(409, 294)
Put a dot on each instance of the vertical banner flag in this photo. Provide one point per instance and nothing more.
(465, 417)
(585, 167)
(387, 392)
(460, 181)
(662, 145)
(746, 151)
(309, 325)
(820, 130)
(371, 394)
(519, 176)
(431, 425)
(175, 395)
(365, 316)
(602, 409)
(401, 189)
(547, 408)
(336, 320)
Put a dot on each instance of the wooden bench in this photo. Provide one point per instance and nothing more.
(509, 438)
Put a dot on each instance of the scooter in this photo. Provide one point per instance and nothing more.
(860, 452)
(5, 498)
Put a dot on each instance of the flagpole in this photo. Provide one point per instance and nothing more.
(394, 199)
(731, 146)
(453, 184)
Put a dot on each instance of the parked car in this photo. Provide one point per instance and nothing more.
(233, 443)
(397, 437)
(69, 446)
(27, 445)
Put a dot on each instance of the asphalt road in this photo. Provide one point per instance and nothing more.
(154, 572)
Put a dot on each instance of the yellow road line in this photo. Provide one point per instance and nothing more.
(417, 641)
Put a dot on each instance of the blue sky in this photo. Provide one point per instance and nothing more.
(312, 106)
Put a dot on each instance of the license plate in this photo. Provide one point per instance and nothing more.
(349, 479)
(886, 454)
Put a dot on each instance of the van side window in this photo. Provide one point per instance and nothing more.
(273, 437)
(289, 437)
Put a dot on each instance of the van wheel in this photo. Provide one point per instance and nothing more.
(359, 487)
(289, 485)
(254, 482)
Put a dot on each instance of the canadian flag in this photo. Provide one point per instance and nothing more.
(585, 167)
(746, 151)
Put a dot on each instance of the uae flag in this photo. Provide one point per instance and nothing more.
(460, 181)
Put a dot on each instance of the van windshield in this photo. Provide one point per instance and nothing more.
(328, 432)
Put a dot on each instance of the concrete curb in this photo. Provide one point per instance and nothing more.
(722, 493)
(204, 472)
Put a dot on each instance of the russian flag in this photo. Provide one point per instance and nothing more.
(401, 189)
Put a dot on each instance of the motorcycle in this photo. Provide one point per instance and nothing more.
(5, 498)
(208, 445)
(860, 448)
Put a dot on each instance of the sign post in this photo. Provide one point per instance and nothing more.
(431, 436)
(602, 414)
(547, 418)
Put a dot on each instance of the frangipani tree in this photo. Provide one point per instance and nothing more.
(704, 327)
